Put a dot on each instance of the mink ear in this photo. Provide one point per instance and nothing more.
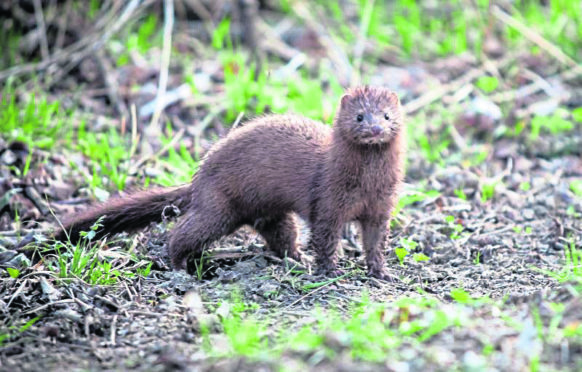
(345, 99)
(393, 97)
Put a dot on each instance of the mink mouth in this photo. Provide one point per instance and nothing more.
(369, 138)
(373, 140)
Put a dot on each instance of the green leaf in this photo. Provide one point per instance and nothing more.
(14, 273)
(576, 187)
(401, 253)
(460, 295)
(487, 83)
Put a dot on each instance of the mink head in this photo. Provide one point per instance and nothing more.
(369, 116)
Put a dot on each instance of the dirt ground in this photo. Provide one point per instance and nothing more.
(497, 246)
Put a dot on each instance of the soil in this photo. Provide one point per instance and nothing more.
(498, 247)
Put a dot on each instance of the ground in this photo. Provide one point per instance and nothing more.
(485, 242)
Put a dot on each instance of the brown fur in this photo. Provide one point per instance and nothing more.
(277, 166)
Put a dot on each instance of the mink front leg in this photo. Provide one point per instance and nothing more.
(324, 240)
(374, 233)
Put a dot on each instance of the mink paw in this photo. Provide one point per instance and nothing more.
(384, 276)
(330, 272)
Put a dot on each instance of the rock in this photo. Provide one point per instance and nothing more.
(528, 214)
(8, 158)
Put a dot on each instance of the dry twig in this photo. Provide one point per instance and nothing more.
(154, 129)
(536, 38)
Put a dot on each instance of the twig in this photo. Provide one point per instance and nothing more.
(360, 45)
(111, 84)
(154, 129)
(535, 38)
(24, 282)
(238, 119)
(63, 21)
(67, 301)
(169, 145)
(108, 31)
(200, 10)
(113, 330)
(38, 14)
(81, 49)
(315, 290)
(334, 51)
(434, 94)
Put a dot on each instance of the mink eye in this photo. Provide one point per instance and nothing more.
(360, 117)
(386, 116)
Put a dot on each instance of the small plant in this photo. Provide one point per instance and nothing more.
(572, 269)
(432, 150)
(108, 153)
(553, 124)
(463, 297)
(140, 40)
(576, 187)
(456, 228)
(310, 286)
(199, 268)
(571, 211)
(406, 246)
(221, 35)
(13, 330)
(419, 257)
(488, 191)
(181, 162)
(36, 122)
(487, 83)
(14, 273)
(525, 186)
(410, 197)
(83, 261)
(477, 259)
(460, 193)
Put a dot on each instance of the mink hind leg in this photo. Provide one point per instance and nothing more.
(281, 234)
(196, 230)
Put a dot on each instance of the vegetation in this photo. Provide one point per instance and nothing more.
(480, 215)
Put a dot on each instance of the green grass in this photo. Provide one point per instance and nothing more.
(254, 92)
(109, 154)
(572, 270)
(36, 122)
(554, 124)
(456, 228)
(576, 187)
(410, 197)
(560, 22)
(380, 332)
(488, 190)
(14, 330)
(140, 38)
(84, 261)
(406, 247)
(368, 332)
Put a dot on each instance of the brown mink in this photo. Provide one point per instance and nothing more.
(274, 168)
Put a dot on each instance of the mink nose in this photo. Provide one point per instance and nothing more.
(377, 130)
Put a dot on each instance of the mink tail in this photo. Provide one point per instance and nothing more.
(130, 213)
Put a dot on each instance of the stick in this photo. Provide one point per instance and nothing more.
(38, 14)
(534, 37)
(361, 43)
(154, 129)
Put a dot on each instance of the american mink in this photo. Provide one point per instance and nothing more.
(275, 167)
